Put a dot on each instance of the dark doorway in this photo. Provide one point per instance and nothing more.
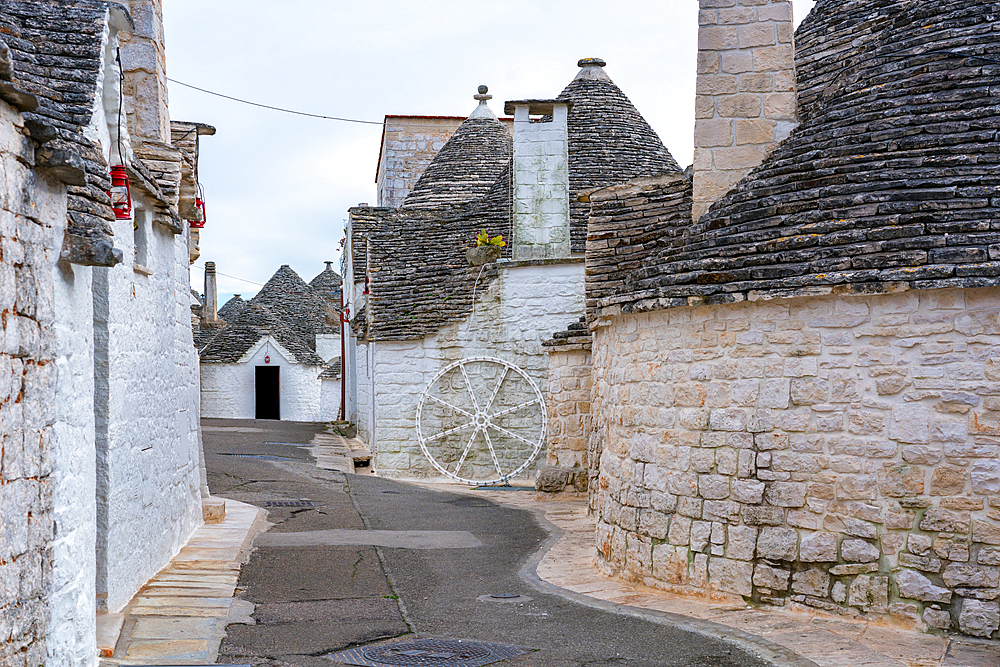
(268, 394)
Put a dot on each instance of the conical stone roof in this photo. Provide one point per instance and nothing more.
(890, 178)
(466, 167)
(290, 299)
(609, 142)
(327, 285)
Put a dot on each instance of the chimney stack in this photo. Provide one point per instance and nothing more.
(541, 179)
(746, 97)
(210, 311)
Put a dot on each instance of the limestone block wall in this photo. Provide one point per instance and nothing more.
(228, 390)
(146, 397)
(838, 453)
(409, 143)
(568, 405)
(32, 217)
(145, 67)
(513, 315)
(541, 184)
(745, 100)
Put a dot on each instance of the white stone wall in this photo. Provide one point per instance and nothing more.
(328, 346)
(541, 185)
(832, 452)
(73, 603)
(522, 308)
(329, 402)
(364, 385)
(146, 397)
(228, 390)
(32, 218)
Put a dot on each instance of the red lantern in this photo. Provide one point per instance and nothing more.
(200, 203)
(120, 193)
(267, 358)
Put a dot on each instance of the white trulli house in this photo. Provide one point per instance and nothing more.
(459, 349)
(276, 356)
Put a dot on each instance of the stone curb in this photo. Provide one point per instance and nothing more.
(775, 654)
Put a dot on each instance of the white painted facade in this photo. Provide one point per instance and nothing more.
(72, 635)
(228, 390)
(512, 317)
(541, 182)
(329, 400)
(146, 400)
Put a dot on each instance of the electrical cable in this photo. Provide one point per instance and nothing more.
(273, 108)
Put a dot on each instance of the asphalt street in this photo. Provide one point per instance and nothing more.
(351, 560)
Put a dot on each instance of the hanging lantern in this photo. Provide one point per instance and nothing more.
(200, 203)
(120, 193)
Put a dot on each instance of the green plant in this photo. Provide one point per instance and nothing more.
(484, 239)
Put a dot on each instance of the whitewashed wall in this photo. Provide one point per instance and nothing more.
(329, 401)
(149, 488)
(522, 308)
(72, 632)
(228, 390)
(363, 383)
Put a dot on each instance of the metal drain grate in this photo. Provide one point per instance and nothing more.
(288, 503)
(429, 653)
(262, 457)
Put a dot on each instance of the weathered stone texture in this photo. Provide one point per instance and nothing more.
(745, 99)
(895, 513)
(32, 217)
(409, 143)
(568, 407)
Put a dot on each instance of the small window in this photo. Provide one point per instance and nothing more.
(141, 230)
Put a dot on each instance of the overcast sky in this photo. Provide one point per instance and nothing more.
(278, 186)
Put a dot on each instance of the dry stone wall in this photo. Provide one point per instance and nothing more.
(568, 406)
(838, 453)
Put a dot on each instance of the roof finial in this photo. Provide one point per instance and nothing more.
(592, 69)
(483, 110)
(329, 266)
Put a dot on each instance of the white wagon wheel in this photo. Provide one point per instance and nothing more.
(477, 408)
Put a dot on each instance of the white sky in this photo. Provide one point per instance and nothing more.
(278, 186)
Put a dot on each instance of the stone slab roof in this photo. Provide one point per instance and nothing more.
(332, 370)
(609, 142)
(890, 182)
(466, 167)
(286, 308)
(327, 285)
(57, 53)
(255, 322)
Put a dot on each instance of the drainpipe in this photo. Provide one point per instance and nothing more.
(343, 356)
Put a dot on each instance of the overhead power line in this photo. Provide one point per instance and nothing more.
(273, 108)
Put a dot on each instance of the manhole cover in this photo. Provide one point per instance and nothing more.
(429, 653)
(469, 502)
(288, 503)
(505, 596)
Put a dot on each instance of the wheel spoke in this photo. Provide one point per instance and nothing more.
(496, 390)
(465, 452)
(453, 407)
(489, 443)
(468, 384)
(514, 409)
(513, 435)
(449, 431)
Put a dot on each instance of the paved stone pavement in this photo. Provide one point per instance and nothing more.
(180, 615)
(826, 640)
